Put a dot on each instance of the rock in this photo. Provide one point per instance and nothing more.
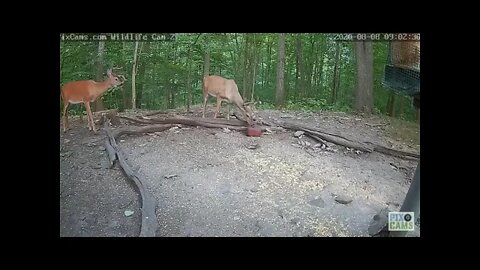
(343, 199)
(297, 134)
(128, 213)
(294, 221)
(379, 222)
(226, 130)
(254, 190)
(317, 202)
(253, 146)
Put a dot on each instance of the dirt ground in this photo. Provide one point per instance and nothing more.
(214, 182)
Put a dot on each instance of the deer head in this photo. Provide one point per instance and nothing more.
(248, 106)
(114, 79)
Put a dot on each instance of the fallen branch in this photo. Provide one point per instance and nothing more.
(149, 204)
(311, 130)
(393, 152)
(146, 122)
(376, 125)
(112, 156)
(336, 139)
(340, 140)
(206, 122)
(142, 130)
(155, 113)
(316, 138)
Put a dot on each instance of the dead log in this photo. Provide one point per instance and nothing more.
(211, 123)
(318, 139)
(149, 219)
(376, 125)
(112, 156)
(340, 140)
(393, 152)
(142, 130)
(311, 130)
(110, 115)
(188, 121)
(145, 122)
(231, 122)
(336, 139)
(157, 112)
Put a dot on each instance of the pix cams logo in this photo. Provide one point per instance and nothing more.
(401, 221)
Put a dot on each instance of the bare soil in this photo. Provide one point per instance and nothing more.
(214, 182)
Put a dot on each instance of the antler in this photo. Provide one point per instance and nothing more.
(118, 75)
(122, 77)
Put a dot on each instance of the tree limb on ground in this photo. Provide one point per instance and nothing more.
(376, 125)
(316, 134)
(209, 123)
(149, 204)
(142, 130)
(336, 139)
(155, 113)
(393, 152)
(340, 140)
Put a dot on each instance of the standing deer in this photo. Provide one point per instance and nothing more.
(224, 90)
(85, 92)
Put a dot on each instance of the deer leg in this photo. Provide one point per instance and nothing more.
(205, 99)
(89, 111)
(228, 110)
(219, 103)
(88, 117)
(65, 116)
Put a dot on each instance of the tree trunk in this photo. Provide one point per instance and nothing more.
(391, 104)
(172, 95)
(337, 85)
(269, 64)
(280, 90)
(189, 81)
(167, 93)
(248, 65)
(254, 67)
(313, 74)
(189, 74)
(310, 66)
(335, 71)
(206, 63)
(125, 88)
(98, 104)
(145, 48)
(400, 106)
(364, 93)
(300, 87)
(320, 69)
(134, 71)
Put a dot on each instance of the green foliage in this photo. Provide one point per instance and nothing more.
(165, 66)
(265, 105)
(307, 104)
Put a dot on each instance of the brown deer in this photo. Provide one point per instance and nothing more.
(224, 90)
(87, 91)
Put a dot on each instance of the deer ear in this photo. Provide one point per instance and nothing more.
(109, 72)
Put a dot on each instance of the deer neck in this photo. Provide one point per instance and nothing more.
(101, 87)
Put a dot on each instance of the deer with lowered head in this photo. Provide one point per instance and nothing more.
(224, 90)
(87, 91)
